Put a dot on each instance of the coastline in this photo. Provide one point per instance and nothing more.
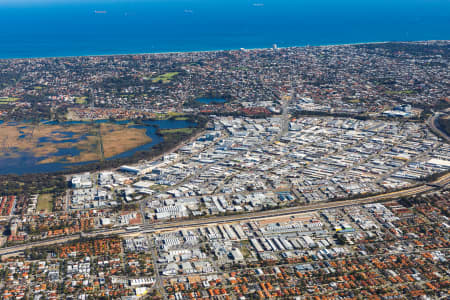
(219, 50)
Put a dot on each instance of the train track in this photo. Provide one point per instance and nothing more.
(149, 228)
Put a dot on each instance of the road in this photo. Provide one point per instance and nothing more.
(20, 248)
(284, 127)
(147, 228)
(431, 122)
(159, 286)
(295, 210)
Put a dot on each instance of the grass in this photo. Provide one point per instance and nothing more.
(148, 76)
(6, 100)
(245, 252)
(161, 116)
(179, 116)
(45, 202)
(80, 100)
(158, 187)
(407, 92)
(165, 116)
(164, 78)
(177, 130)
(175, 114)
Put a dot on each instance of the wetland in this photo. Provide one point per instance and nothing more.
(53, 147)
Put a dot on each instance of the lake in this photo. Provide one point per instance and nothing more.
(211, 100)
(57, 146)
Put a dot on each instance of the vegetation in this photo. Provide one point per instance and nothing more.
(45, 202)
(414, 49)
(406, 92)
(172, 114)
(181, 118)
(444, 124)
(177, 130)
(116, 141)
(165, 78)
(6, 100)
(56, 183)
(47, 140)
(301, 113)
(81, 100)
(171, 140)
(158, 187)
(32, 184)
(37, 111)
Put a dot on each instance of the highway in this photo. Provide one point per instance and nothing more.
(299, 209)
(159, 227)
(20, 248)
(431, 122)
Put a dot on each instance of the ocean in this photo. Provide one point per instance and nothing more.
(46, 28)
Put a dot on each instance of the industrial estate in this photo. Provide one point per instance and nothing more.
(283, 173)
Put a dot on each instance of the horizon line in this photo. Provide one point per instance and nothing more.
(221, 50)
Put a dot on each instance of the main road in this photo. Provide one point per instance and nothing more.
(147, 228)
(444, 180)
(432, 124)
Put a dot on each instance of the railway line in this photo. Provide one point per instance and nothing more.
(160, 227)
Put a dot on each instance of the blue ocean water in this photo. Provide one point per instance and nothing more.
(40, 28)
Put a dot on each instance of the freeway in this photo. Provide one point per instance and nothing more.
(432, 124)
(20, 248)
(147, 228)
(295, 210)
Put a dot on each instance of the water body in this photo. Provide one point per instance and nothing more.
(40, 28)
(211, 100)
(25, 162)
(151, 127)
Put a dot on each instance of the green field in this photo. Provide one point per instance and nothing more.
(179, 116)
(175, 114)
(407, 92)
(164, 116)
(6, 100)
(164, 78)
(80, 100)
(159, 187)
(177, 130)
(45, 202)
